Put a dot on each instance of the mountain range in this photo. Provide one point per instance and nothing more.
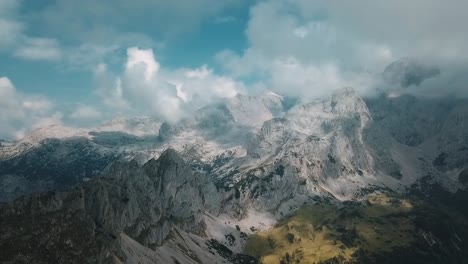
(249, 179)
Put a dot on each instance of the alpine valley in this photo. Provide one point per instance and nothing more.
(251, 179)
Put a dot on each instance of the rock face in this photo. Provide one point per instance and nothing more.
(407, 71)
(434, 129)
(244, 164)
(86, 225)
(332, 146)
(327, 147)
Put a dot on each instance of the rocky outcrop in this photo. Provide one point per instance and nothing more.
(409, 71)
(85, 225)
(317, 148)
(251, 154)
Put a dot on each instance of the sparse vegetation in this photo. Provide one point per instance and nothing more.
(327, 233)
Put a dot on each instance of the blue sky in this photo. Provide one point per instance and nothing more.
(79, 63)
(186, 47)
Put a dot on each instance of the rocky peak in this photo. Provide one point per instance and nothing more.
(409, 71)
(168, 160)
(273, 101)
(212, 119)
(137, 126)
(52, 131)
(346, 100)
(144, 203)
(252, 111)
(170, 156)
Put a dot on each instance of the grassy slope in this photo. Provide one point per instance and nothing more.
(323, 232)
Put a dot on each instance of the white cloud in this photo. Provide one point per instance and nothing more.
(202, 82)
(9, 32)
(109, 88)
(39, 49)
(419, 27)
(301, 57)
(36, 104)
(45, 121)
(253, 61)
(301, 31)
(86, 112)
(147, 88)
(302, 47)
(7, 92)
(307, 80)
(20, 113)
(138, 58)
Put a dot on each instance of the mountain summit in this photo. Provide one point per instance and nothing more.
(208, 187)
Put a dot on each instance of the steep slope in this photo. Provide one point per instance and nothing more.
(138, 126)
(122, 216)
(57, 157)
(436, 129)
(244, 165)
(328, 147)
(406, 72)
(264, 151)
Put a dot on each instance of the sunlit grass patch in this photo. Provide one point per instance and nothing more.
(320, 232)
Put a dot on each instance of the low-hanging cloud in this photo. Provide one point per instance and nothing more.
(147, 88)
(20, 113)
(86, 113)
(408, 72)
(334, 43)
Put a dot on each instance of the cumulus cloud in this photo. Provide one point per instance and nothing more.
(54, 118)
(21, 113)
(302, 57)
(420, 27)
(139, 59)
(308, 80)
(300, 48)
(109, 87)
(86, 112)
(39, 49)
(7, 92)
(318, 46)
(148, 88)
